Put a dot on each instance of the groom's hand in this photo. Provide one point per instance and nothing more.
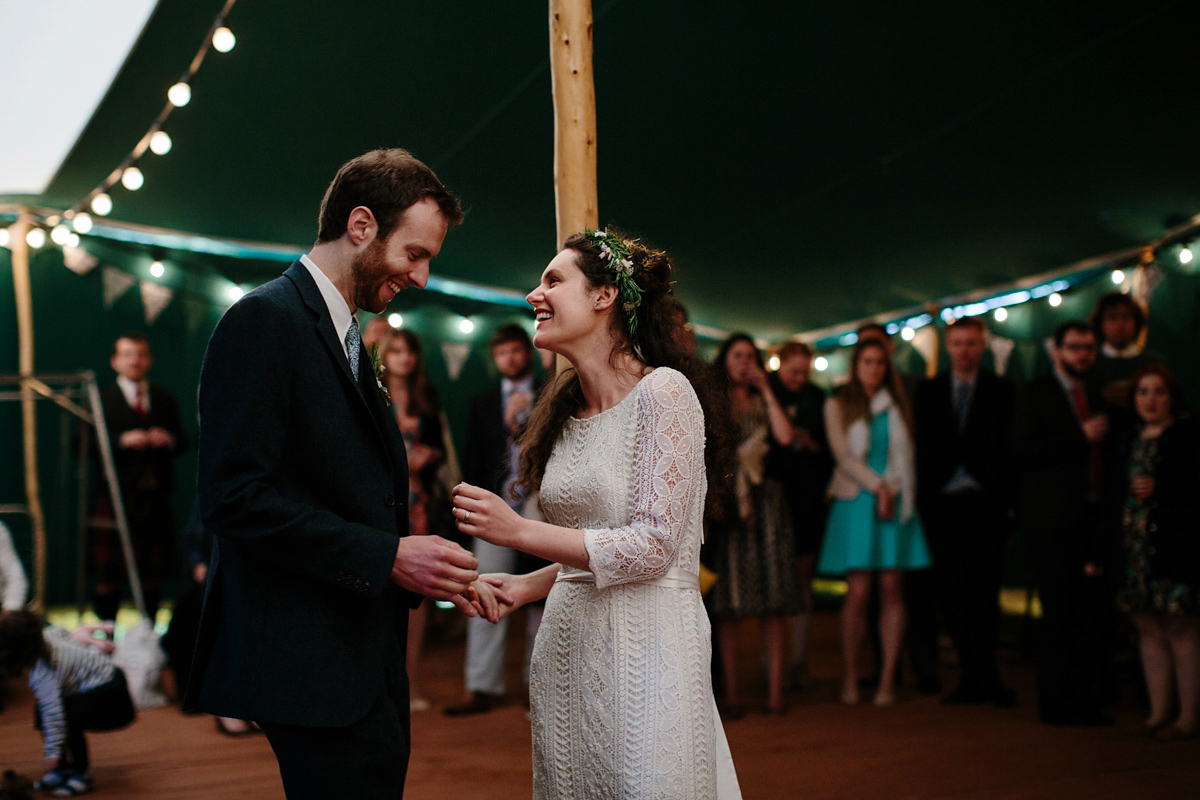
(434, 567)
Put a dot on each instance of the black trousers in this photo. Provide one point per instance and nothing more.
(967, 539)
(105, 708)
(368, 758)
(1076, 611)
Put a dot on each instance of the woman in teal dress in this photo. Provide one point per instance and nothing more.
(873, 527)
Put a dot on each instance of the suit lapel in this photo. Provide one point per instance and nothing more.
(323, 325)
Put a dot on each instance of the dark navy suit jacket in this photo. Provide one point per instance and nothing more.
(303, 481)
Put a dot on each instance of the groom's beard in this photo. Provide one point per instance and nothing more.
(368, 273)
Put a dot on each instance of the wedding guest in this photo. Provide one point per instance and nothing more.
(802, 468)
(146, 435)
(490, 455)
(13, 584)
(418, 414)
(873, 527)
(1119, 322)
(76, 688)
(374, 332)
(920, 587)
(1058, 431)
(755, 556)
(1157, 486)
(964, 493)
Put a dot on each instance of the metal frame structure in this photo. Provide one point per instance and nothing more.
(75, 387)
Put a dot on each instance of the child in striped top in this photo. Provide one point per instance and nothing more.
(77, 689)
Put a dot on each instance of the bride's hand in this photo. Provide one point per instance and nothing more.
(480, 513)
(493, 596)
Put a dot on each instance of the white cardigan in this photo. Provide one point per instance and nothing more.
(851, 473)
(12, 578)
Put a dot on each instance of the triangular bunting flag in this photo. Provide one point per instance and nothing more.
(1145, 280)
(155, 298)
(1001, 350)
(116, 283)
(455, 354)
(78, 260)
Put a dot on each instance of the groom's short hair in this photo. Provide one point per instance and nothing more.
(388, 182)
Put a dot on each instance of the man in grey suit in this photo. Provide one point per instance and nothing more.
(303, 483)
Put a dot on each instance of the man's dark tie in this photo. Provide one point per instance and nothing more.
(353, 345)
(962, 401)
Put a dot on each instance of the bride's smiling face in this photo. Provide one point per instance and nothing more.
(564, 303)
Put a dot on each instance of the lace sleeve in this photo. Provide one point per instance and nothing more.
(668, 471)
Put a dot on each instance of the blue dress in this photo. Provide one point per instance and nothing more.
(855, 538)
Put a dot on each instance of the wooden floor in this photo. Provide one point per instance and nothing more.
(915, 749)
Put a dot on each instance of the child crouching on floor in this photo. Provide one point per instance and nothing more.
(77, 689)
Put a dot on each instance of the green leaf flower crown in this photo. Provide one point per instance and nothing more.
(617, 253)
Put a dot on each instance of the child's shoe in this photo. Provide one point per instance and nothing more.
(51, 780)
(77, 784)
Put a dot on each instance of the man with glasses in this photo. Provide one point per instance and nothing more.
(1059, 431)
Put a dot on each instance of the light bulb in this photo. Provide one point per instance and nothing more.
(907, 333)
(132, 179)
(157, 269)
(1055, 300)
(102, 205)
(235, 293)
(35, 238)
(466, 326)
(773, 363)
(59, 234)
(821, 363)
(180, 94)
(223, 40)
(1118, 276)
(160, 143)
(73, 240)
(395, 320)
(1001, 314)
(4, 237)
(1185, 255)
(82, 222)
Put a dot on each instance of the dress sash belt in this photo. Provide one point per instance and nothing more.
(676, 578)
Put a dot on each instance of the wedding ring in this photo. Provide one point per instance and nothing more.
(467, 517)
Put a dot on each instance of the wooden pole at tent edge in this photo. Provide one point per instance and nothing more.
(576, 204)
(33, 494)
(575, 195)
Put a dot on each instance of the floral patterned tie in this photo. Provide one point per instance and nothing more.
(353, 345)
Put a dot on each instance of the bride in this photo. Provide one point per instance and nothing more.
(620, 689)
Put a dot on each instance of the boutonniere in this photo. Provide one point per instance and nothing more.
(379, 370)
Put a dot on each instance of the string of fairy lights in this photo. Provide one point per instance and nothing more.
(66, 227)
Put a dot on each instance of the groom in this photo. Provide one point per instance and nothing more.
(303, 482)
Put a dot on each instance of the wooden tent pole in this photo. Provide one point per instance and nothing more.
(575, 197)
(33, 493)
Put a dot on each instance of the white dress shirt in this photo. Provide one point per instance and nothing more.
(131, 389)
(339, 309)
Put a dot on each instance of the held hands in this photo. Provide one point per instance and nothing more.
(1095, 428)
(140, 439)
(495, 595)
(1142, 486)
(885, 502)
(518, 404)
(437, 568)
(482, 514)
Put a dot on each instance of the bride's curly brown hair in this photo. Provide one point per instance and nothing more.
(658, 342)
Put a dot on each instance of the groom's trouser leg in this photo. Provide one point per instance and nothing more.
(368, 758)
(485, 641)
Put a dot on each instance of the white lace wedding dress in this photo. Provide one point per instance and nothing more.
(620, 685)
